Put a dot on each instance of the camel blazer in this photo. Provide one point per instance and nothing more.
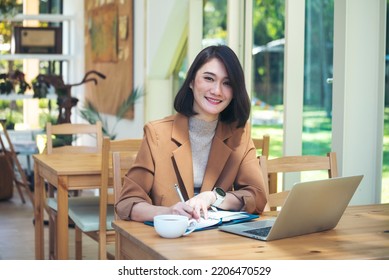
(232, 165)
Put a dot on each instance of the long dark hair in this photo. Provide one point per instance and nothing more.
(239, 108)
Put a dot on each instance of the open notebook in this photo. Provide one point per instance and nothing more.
(220, 217)
(310, 207)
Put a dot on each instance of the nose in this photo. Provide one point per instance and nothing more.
(216, 89)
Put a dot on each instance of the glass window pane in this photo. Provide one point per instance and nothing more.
(214, 22)
(50, 7)
(317, 116)
(268, 72)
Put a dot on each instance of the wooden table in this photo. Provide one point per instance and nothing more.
(362, 233)
(66, 172)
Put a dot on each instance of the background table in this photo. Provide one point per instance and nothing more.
(66, 172)
(362, 233)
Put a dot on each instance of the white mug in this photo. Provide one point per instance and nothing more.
(173, 226)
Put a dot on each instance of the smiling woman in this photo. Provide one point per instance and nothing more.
(205, 147)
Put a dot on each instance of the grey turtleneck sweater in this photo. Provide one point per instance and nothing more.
(200, 134)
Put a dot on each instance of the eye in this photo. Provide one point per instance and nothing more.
(208, 78)
(227, 83)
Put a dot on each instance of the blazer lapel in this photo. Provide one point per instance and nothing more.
(183, 154)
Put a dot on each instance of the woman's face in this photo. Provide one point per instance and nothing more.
(211, 89)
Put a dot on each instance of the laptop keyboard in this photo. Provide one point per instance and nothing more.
(259, 231)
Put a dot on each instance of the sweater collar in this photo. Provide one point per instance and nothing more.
(180, 131)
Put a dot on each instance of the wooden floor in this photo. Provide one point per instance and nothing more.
(17, 233)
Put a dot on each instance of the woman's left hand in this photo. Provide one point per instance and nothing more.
(201, 202)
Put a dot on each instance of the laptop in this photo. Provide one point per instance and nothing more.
(310, 207)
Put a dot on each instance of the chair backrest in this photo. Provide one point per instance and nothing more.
(294, 164)
(263, 145)
(71, 130)
(122, 162)
(131, 148)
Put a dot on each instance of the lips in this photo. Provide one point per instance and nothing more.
(213, 101)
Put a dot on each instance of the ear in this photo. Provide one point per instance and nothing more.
(191, 85)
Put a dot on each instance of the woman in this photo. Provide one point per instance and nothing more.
(206, 148)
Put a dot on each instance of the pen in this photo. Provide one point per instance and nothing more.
(179, 192)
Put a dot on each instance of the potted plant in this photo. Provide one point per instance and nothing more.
(40, 89)
(90, 113)
(13, 81)
(6, 85)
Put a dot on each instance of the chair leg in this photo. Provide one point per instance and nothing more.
(78, 238)
(18, 188)
(110, 256)
(117, 246)
(102, 246)
(22, 181)
(52, 236)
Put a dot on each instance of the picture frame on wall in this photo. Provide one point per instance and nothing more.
(103, 32)
(37, 40)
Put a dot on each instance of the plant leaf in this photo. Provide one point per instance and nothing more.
(129, 102)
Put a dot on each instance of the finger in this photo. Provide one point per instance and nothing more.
(205, 212)
(182, 212)
(197, 209)
(189, 210)
(182, 209)
(196, 215)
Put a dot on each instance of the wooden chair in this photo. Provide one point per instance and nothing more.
(72, 131)
(293, 164)
(263, 145)
(121, 163)
(95, 220)
(75, 130)
(18, 175)
(263, 149)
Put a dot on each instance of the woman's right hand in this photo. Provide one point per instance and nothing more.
(184, 209)
(144, 211)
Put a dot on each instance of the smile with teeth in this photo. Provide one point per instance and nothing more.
(213, 101)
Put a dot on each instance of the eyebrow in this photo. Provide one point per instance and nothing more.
(209, 73)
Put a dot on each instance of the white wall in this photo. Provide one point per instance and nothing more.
(167, 23)
(358, 93)
(76, 69)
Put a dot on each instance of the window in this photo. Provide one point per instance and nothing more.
(268, 71)
(20, 107)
